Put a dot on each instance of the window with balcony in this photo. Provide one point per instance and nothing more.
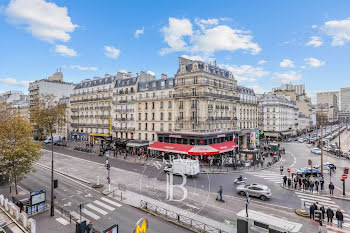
(182, 81)
(181, 125)
(194, 104)
(194, 116)
(195, 80)
(194, 91)
(169, 116)
(161, 105)
(170, 104)
(181, 92)
(153, 137)
(181, 105)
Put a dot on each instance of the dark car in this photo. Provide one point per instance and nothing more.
(307, 172)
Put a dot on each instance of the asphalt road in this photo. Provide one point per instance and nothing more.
(102, 211)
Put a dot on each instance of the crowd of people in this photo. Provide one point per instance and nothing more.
(307, 183)
(329, 213)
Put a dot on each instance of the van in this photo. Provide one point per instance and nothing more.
(55, 139)
(186, 167)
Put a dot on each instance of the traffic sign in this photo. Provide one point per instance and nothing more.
(345, 176)
(288, 169)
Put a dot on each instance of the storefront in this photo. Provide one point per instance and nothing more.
(79, 136)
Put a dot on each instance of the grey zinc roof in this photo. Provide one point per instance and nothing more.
(94, 83)
(246, 90)
(156, 84)
(126, 82)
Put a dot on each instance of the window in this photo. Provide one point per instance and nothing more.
(139, 126)
(162, 84)
(146, 116)
(146, 106)
(152, 136)
(169, 116)
(193, 126)
(139, 116)
(181, 116)
(170, 94)
(152, 105)
(161, 127)
(195, 80)
(161, 105)
(139, 136)
(170, 126)
(161, 116)
(153, 118)
(154, 94)
(194, 117)
(181, 105)
(146, 136)
(194, 104)
(170, 104)
(181, 92)
(194, 92)
(146, 126)
(153, 126)
(181, 125)
(182, 81)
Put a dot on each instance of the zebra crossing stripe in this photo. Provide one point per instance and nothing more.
(96, 209)
(300, 194)
(92, 215)
(336, 229)
(62, 221)
(111, 202)
(104, 205)
(76, 216)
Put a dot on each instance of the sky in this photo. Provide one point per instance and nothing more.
(264, 43)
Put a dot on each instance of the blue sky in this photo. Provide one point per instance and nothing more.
(264, 43)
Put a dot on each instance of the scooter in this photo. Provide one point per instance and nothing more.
(236, 181)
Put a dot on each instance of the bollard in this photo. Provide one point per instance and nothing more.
(121, 196)
(98, 180)
(303, 205)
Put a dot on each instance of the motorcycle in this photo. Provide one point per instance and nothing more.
(243, 181)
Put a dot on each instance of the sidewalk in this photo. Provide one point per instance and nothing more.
(44, 222)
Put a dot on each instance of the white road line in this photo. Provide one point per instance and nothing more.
(76, 215)
(334, 228)
(92, 215)
(313, 196)
(314, 200)
(104, 205)
(96, 209)
(62, 221)
(111, 202)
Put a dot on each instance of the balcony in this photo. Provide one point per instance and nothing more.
(92, 92)
(74, 109)
(103, 116)
(124, 101)
(143, 98)
(190, 82)
(124, 128)
(91, 99)
(205, 95)
(74, 117)
(124, 110)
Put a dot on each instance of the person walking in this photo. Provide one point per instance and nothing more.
(281, 169)
(331, 188)
(311, 187)
(304, 183)
(316, 185)
(220, 193)
(323, 211)
(299, 181)
(330, 215)
(295, 182)
(289, 182)
(312, 211)
(322, 183)
(284, 181)
(340, 218)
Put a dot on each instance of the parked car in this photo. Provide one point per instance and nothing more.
(55, 139)
(255, 190)
(326, 166)
(346, 155)
(301, 140)
(316, 151)
(307, 172)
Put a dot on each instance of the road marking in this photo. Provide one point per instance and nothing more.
(192, 206)
(336, 229)
(62, 221)
(96, 209)
(92, 215)
(320, 202)
(310, 195)
(104, 205)
(77, 216)
(111, 202)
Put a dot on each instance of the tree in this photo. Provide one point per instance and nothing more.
(17, 149)
(48, 115)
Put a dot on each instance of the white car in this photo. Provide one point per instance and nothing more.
(256, 190)
(316, 151)
(301, 140)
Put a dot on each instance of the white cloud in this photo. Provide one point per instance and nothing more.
(197, 57)
(151, 73)
(261, 62)
(246, 72)
(286, 77)
(12, 81)
(174, 33)
(44, 20)
(314, 26)
(207, 39)
(313, 62)
(84, 68)
(139, 32)
(65, 51)
(338, 30)
(315, 41)
(111, 52)
(258, 89)
(203, 23)
(286, 63)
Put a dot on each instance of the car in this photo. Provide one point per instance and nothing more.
(255, 190)
(326, 166)
(307, 172)
(301, 140)
(289, 140)
(346, 155)
(316, 151)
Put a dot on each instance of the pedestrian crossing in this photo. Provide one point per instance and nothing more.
(327, 202)
(269, 176)
(94, 210)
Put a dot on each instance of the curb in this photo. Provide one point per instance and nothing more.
(260, 169)
(330, 196)
(64, 174)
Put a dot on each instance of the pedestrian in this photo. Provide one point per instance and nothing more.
(299, 181)
(330, 215)
(281, 169)
(322, 183)
(312, 187)
(323, 211)
(316, 185)
(340, 218)
(304, 183)
(220, 193)
(331, 188)
(284, 181)
(295, 182)
(312, 211)
(289, 182)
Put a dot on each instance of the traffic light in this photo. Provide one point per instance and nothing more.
(108, 166)
(55, 184)
(346, 170)
(109, 180)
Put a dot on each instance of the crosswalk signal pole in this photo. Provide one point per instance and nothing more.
(343, 187)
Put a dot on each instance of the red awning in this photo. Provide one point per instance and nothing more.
(224, 146)
(171, 147)
(203, 150)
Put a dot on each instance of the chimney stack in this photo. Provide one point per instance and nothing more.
(164, 76)
(214, 62)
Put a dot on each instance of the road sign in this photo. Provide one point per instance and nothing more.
(288, 169)
(309, 162)
(345, 176)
